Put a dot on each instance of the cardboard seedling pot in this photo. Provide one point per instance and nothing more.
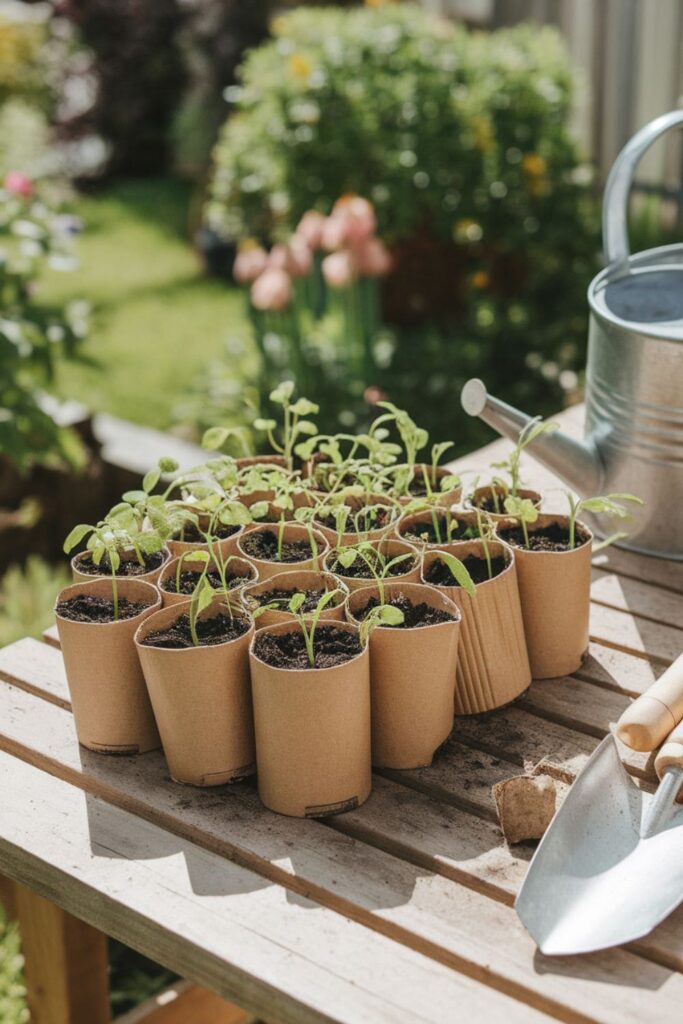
(261, 460)
(312, 734)
(410, 520)
(554, 588)
(482, 492)
(300, 580)
(146, 577)
(202, 701)
(227, 546)
(112, 711)
(444, 499)
(493, 664)
(412, 679)
(236, 565)
(391, 548)
(292, 531)
(334, 539)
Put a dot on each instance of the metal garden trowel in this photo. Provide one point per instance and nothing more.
(610, 866)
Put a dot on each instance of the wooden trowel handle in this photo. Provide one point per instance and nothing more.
(652, 716)
(671, 752)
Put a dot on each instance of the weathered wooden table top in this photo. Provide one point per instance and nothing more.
(398, 911)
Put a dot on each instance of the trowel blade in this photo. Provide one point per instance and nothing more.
(593, 882)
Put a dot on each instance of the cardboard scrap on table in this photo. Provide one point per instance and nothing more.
(526, 803)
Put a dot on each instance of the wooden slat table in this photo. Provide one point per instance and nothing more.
(399, 911)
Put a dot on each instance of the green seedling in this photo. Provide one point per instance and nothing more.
(524, 511)
(215, 439)
(202, 596)
(459, 572)
(414, 438)
(295, 424)
(381, 615)
(609, 504)
(533, 429)
(377, 562)
(308, 623)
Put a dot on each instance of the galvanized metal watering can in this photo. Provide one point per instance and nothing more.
(634, 376)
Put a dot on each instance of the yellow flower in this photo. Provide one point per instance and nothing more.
(299, 65)
(535, 168)
(483, 134)
(279, 25)
(480, 280)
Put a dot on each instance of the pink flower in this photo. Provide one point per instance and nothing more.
(310, 228)
(272, 290)
(374, 259)
(359, 216)
(339, 269)
(300, 257)
(18, 184)
(249, 263)
(333, 235)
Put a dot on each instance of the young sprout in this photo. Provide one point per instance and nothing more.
(524, 511)
(485, 530)
(295, 425)
(308, 622)
(215, 438)
(379, 566)
(533, 429)
(414, 438)
(609, 504)
(202, 596)
(381, 615)
(459, 572)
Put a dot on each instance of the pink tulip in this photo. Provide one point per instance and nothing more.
(300, 256)
(334, 232)
(359, 216)
(272, 290)
(374, 259)
(18, 184)
(339, 269)
(310, 228)
(249, 263)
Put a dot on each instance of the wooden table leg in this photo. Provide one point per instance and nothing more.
(8, 897)
(65, 964)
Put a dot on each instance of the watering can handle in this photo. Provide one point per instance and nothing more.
(615, 204)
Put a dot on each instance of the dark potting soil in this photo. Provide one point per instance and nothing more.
(128, 566)
(439, 575)
(553, 537)
(216, 630)
(263, 545)
(188, 581)
(425, 533)
(190, 534)
(414, 615)
(360, 571)
(331, 646)
(418, 487)
(362, 521)
(89, 608)
(487, 503)
(283, 597)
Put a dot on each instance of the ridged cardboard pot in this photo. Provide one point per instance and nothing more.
(391, 549)
(298, 581)
(443, 498)
(355, 504)
(410, 521)
(493, 665)
(482, 492)
(554, 587)
(84, 577)
(227, 546)
(292, 531)
(412, 678)
(202, 701)
(111, 708)
(312, 733)
(236, 566)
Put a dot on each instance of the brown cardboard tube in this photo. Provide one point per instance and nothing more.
(146, 577)
(312, 734)
(236, 565)
(444, 499)
(335, 540)
(297, 581)
(111, 707)
(390, 548)
(554, 588)
(227, 546)
(493, 665)
(292, 531)
(482, 492)
(202, 701)
(412, 679)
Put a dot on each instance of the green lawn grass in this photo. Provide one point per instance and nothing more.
(157, 321)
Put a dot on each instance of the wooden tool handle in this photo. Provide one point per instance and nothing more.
(651, 717)
(671, 752)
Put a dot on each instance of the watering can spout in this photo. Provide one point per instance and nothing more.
(577, 463)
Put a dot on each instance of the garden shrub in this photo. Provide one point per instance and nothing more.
(461, 141)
